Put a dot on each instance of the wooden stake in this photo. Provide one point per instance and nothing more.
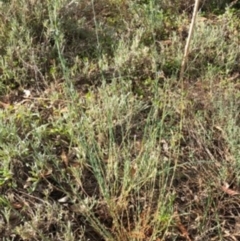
(186, 51)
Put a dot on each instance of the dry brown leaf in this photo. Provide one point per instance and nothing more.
(133, 169)
(229, 191)
(166, 42)
(64, 158)
(181, 227)
(46, 173)
(17, 205)
(64, 110)
(4, 105)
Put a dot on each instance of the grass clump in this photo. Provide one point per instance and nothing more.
(99, 140)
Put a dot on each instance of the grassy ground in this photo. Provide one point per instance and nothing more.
(98, 138)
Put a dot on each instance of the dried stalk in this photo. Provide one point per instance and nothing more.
(186, 51)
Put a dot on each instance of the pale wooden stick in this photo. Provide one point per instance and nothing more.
(186, 51)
